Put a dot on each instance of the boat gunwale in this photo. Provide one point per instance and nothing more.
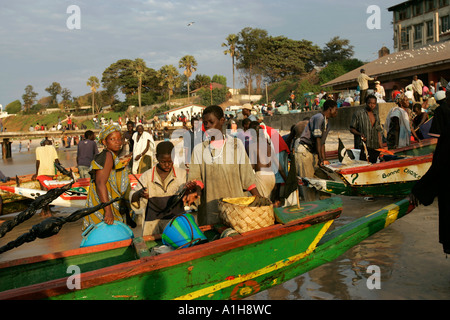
(387, 165)
(360, 186)
(417, 145)
(148, 264)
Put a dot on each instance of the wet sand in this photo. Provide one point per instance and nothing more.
(411, 260)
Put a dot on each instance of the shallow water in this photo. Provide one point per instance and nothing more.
(24, 161)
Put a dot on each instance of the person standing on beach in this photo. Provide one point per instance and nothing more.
(86, 150)
(399, 125)
(363, 82)
(417, 86)
(366, 129)
(143, 149)
(220, 167)
(192, 137)
(261, 157)
(310, 153)
(247, 112)
(128, 144)
(46, 157)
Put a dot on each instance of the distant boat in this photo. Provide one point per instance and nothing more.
(74, 198)
(390, 178)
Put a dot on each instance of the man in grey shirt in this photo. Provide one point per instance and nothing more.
(86, 151)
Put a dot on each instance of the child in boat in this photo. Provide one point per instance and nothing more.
(109, 179)
(220, 167)
(156, 186)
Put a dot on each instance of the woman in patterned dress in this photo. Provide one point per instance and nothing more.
(109, 179)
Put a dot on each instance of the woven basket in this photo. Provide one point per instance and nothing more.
(243, 218)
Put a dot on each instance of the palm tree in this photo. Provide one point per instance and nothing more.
(169, 77)
(94, 84)
(231, 44)
(138, 66)
(188, 63)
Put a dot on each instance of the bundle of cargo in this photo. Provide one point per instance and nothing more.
(246, 213)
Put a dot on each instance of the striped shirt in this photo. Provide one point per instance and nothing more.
(361, 122)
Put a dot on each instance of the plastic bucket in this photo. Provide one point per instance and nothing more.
(182, 231)
(104, 233)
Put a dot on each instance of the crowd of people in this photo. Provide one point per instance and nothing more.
(224, 158)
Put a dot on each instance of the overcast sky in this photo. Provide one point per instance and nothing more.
(37, 47)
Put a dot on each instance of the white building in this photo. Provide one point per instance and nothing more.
(420, 22)
(188, 111)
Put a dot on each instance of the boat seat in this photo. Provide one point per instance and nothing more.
(308, 212)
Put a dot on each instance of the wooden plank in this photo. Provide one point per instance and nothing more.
(141, 247)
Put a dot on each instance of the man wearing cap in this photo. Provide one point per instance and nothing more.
(363, 82)
(247, 112)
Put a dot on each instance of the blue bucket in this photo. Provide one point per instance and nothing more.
(182, 231)
(101, 233)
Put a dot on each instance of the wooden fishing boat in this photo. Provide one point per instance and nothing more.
(227, 268)
(25, 182)
(390, 178)
(14, 202)
(73, 198)
(420, 148)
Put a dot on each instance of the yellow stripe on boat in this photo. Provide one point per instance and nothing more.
(260, 272)
(392, 214)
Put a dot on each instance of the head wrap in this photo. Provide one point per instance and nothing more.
(108, 129)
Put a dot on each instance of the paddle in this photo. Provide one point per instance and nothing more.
(365, 150)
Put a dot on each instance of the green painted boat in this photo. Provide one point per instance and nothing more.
(386, 179)
(375, 190)
(421, 148)
(15, 202)
(25, 182)
(232, 267)
(415, 149)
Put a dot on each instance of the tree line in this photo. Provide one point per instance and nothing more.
(259, 58)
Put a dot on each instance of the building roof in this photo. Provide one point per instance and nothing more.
(400, 5)
(399, 62)
(184, 107)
